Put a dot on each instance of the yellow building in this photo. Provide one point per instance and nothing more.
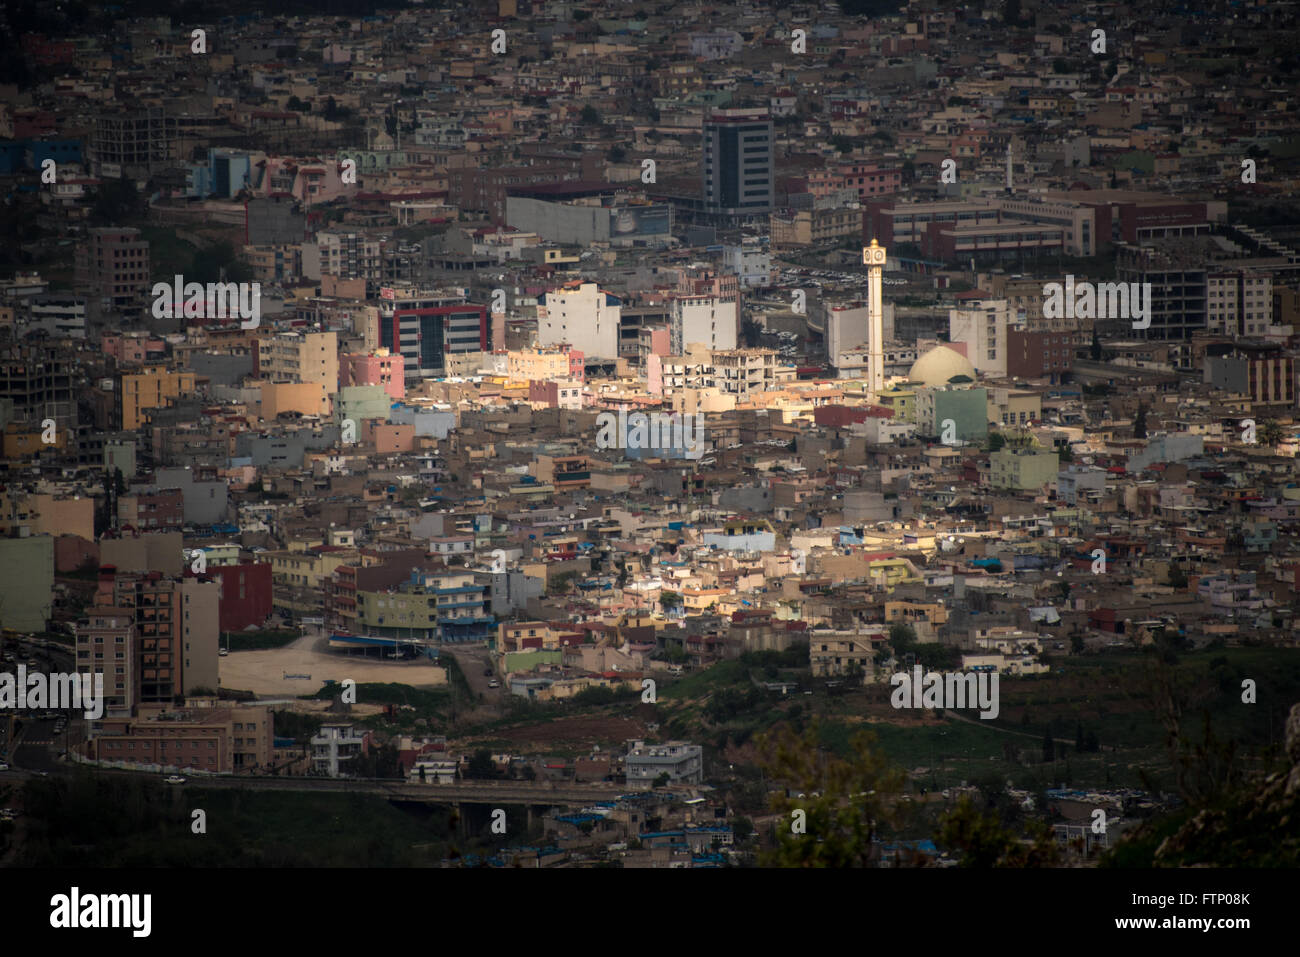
(541, 365)
(902, 401)
(922, 616)
(1016, 407)
(149, 387)
(24, 443)
(301, 357)
(891, 571)
(308, 398)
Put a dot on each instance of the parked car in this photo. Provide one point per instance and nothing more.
(173, 779)
(223, 652)
(4, 767)
(494, 683)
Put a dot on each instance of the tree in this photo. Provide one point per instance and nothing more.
(1270, 433)
(846, 801)
(481, 766)
(662, 780)
(902, 638)
(590, 116)
(1177, 577)
(982, 841)
(996, 441)
(1049, 747)
(1076, 644)
(116, 200)
(1140, 422)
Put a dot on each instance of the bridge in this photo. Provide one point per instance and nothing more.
(459, 792)
(537, 794)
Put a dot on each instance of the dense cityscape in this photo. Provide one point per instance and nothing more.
(637, 435)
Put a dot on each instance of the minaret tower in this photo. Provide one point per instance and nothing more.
(873, 257)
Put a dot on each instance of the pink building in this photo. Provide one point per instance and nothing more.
(381, 368)
(563, 394)
(132, 348)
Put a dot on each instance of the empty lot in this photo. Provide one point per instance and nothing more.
(262, 672)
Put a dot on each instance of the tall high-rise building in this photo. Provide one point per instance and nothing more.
(738, 168)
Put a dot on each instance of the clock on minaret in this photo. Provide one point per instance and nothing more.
(873, 255)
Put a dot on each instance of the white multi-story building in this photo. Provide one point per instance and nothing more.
(1238, 302)
(982, 325)
(335, 748)
(582, 315)
(749, 261)
(848, 326)
(705, 320)
(682, 762)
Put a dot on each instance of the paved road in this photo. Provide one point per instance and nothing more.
(478, 792)
(473, 660)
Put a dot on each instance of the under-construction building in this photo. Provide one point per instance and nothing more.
(38, 381)
(136, 140)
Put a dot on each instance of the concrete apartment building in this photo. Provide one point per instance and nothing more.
(582, 315)
(380, 368)
(112, 270)
(153, 637)
(1023, 469)
(681, 761)
(335, 749)
(708, 321)
(345, 255)
(300, 357)
(981, 324)
(834, 654)
(149, 387)
(1238, 302)
(551, 363)
(453, 606)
